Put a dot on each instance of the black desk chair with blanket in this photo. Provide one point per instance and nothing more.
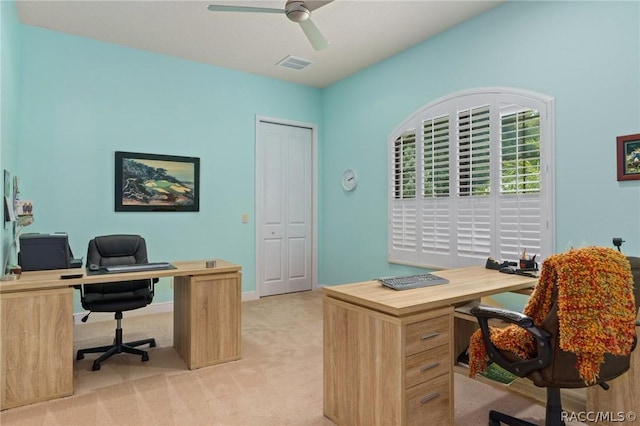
(577, 330)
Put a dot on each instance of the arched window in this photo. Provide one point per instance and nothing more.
(471, 176)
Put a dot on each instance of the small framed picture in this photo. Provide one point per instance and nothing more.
(629, 157)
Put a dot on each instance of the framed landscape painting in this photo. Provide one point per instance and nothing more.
(154, 182)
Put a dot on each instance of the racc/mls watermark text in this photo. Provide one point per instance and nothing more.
(599, 416)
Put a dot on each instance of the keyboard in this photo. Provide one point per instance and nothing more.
(138, 267)
(412, 281)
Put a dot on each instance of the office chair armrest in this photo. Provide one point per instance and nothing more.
(81, 288)
(513, 317)
(543, 339)
(152, 285)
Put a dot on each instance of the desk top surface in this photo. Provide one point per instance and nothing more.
(465, 284)
(50, 279)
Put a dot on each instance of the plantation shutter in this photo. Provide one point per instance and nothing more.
(520, 176)
(436, 204)
(473, 204)
(404, 208)
(472, 178)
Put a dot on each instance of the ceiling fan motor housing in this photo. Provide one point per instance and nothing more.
(296, 11)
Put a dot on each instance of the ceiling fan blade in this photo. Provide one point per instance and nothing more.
(222, 8)
(314, 35)
(316, 4)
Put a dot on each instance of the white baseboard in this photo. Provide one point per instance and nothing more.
(154, 308)
(250, 295)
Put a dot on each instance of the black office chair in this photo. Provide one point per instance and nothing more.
(552, 367)
(119, 296)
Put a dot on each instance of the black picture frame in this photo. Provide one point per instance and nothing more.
(156, 183)
(628, 152)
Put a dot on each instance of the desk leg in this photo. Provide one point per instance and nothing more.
(207, 318)
(36, 346)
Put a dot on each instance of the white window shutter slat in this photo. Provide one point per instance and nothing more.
(404, 230)
(520, 218)
(474, 227)
(436, 226)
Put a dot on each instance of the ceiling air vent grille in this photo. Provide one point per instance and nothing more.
(294, 63)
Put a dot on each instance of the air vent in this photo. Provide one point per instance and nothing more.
(294, 63)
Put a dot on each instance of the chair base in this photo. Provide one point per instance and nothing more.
(496, 418)
(553, 413)
(114, 349)
(117, 347)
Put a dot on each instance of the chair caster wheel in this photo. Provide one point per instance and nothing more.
(145, 357)
(494, 423)
(79, 356)
(152, 344)
(95, 367)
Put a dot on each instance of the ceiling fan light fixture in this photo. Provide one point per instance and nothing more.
(296, 11)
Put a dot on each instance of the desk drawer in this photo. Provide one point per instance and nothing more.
(429, 403)
(427, 365)
(428, 334)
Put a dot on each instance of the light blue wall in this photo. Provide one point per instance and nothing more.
(584, 54)
(80, 100)
(10, 48)
(83, 99)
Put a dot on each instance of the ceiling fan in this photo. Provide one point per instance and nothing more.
(296, 10)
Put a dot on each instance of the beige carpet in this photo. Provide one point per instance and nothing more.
(278, 381)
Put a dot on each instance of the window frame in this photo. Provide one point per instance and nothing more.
(418, 212)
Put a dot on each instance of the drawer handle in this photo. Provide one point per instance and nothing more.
(429, 366)
(429, 397)
(429, 336)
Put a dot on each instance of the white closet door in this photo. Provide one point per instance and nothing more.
(284, 168)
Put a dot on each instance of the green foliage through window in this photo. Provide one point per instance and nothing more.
(405, 166)
(520, 153)
(435, 135)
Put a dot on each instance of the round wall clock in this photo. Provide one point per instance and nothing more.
(349, 180)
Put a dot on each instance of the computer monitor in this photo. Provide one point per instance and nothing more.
(45, 251)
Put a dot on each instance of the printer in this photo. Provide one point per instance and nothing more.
(46, 251)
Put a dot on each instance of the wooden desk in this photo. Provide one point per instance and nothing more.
(36, 343)
(389, 356)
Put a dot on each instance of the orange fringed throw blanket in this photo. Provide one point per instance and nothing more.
(596, 311)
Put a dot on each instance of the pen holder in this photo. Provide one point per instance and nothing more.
(528, 265)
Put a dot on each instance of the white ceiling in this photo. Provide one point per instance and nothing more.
(360, 32)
